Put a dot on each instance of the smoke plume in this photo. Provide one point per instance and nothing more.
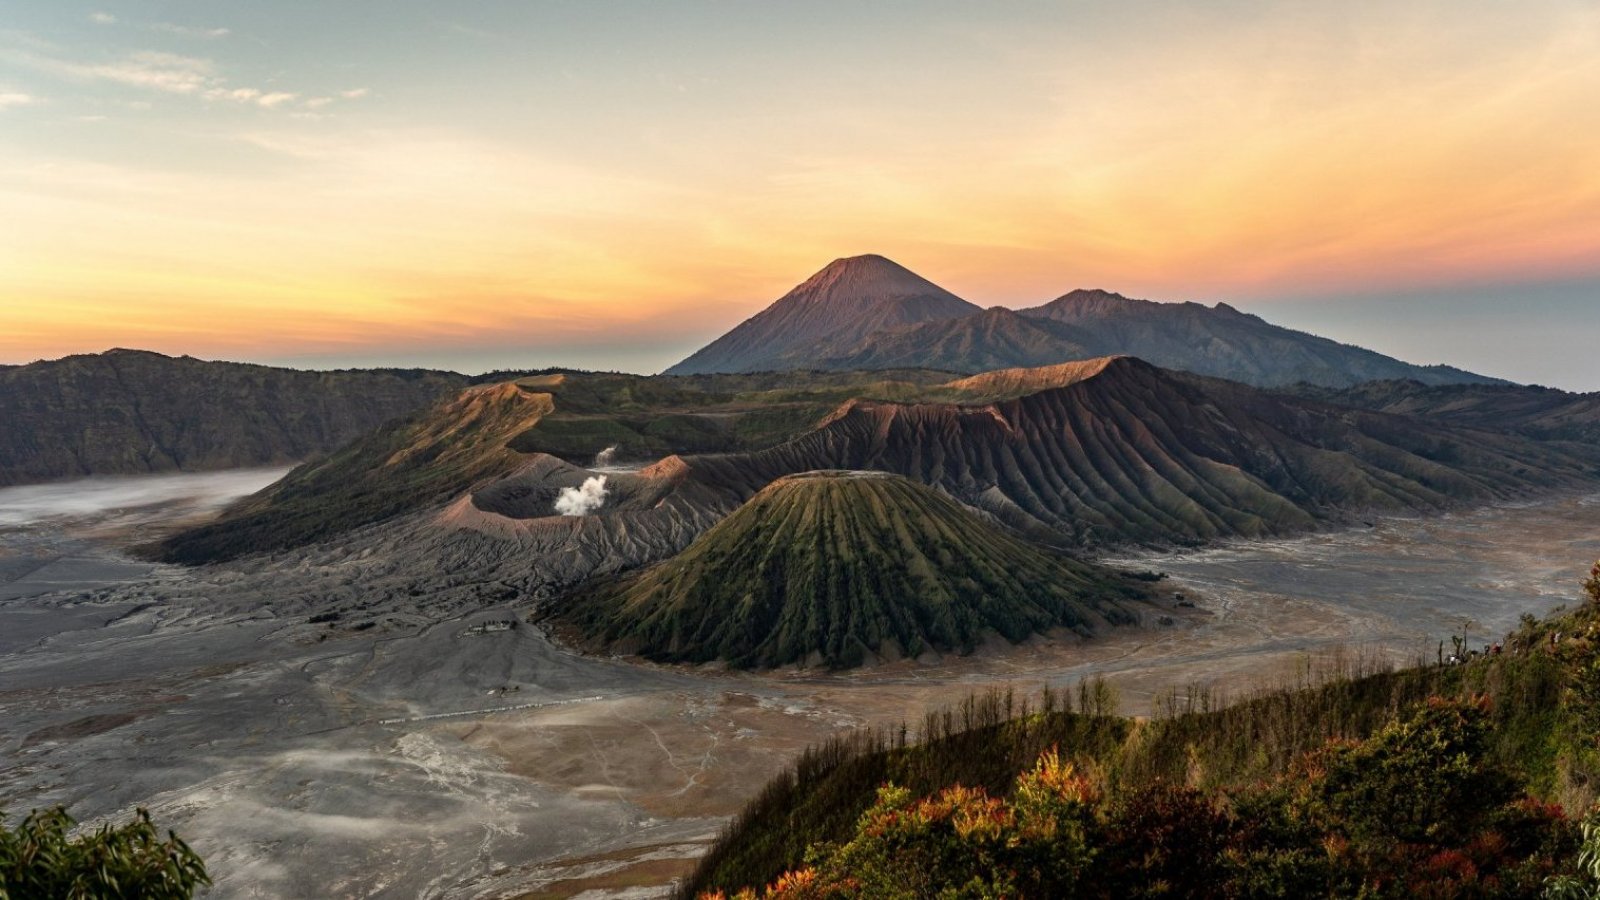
(606, 457)
(581, 501)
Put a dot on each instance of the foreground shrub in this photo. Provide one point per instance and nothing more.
(40, 859)
(1420, 809)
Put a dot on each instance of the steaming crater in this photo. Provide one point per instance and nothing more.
(609, 462)
(584, 499)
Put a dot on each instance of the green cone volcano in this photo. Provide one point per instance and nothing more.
(834, 568)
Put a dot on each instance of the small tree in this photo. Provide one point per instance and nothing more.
(39, 858)
(1585, 686)
(1426, 779)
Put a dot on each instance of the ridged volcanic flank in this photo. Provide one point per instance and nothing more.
(835, 568)
(1134, 453)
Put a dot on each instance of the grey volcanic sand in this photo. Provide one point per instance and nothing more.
(418, 758)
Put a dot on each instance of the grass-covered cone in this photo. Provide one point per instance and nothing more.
(834, 568)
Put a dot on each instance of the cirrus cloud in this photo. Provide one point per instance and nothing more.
(192, 31)
(158, 71)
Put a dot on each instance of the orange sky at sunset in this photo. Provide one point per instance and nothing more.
(535, 203)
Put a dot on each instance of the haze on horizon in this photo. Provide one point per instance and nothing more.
(610, 185)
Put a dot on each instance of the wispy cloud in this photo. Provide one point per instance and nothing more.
(238, 95)
(102, 18)
(9, 99)
(152, 70)
(264, 99)
(321, 102)
(169, 73)
(192, 31)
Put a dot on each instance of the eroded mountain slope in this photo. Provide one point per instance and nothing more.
(1100, 453)
(1134, 453)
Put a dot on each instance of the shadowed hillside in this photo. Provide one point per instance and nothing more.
(1218, 341)
(129, 412)
(836, 568)
(400, 467)
(1536, 412)
(1223, 342)
(996, 338)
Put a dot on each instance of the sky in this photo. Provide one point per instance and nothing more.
(479, 185)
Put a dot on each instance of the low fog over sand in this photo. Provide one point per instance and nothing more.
(65, 536)
(96, 503)
(462, 758)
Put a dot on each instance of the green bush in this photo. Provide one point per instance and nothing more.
(39, 858)
(1418, 810)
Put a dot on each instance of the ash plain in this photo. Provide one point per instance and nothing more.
(427, 754)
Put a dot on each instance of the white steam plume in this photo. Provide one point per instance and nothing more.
(581, 501)
(606, 457)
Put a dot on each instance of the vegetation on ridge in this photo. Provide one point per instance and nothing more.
(1439, 780)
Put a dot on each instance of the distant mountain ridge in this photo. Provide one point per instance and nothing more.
(1541, 413)
(130, 412)
(1218, 340)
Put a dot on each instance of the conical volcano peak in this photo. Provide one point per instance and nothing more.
(867, 278)
(827, 315)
